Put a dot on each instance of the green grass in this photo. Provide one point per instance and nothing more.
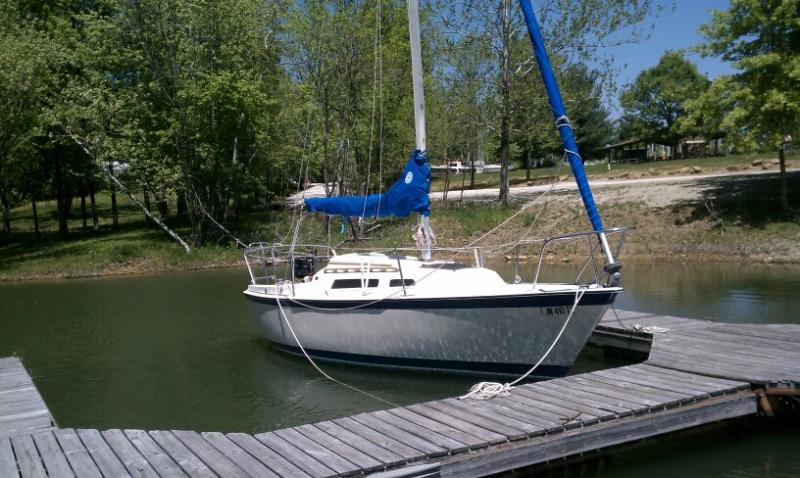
(135, 247)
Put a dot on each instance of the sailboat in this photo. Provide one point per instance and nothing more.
(420, 308)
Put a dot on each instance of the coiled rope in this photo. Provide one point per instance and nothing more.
(487, 390)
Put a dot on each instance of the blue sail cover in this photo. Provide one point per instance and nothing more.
(408, 194)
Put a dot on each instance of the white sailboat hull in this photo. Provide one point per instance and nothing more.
(492, 334)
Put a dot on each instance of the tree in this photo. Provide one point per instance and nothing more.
(574, 32)
(657, 100)
(762, 39)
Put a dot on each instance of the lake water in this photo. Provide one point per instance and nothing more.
(176, 351)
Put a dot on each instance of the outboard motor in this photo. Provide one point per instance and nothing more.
(303, 266)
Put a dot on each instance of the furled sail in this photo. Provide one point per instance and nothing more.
(408, 194)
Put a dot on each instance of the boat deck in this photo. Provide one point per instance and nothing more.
(697, 373)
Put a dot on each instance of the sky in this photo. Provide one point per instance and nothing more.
(676, 27)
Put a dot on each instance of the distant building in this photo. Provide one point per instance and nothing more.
(639, 150)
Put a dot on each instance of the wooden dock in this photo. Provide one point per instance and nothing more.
(698, 372)
(21, 407)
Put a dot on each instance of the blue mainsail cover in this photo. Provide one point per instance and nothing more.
(408, 194)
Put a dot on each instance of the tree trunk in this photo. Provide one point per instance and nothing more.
(114, 215)
(83, 209)
(528, 166)
(6, 211)
(35, 218)
(61, 201)
(93, 205)
(505, 120)
(147, 205)
(163, 209)
(181, 205)
(471, 170)
(784, 188)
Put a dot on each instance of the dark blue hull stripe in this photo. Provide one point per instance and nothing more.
(533, 300)
(450, 365)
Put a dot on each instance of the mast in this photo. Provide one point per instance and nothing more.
(419, 108)
(567, 136)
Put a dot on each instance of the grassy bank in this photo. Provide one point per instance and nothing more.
(734, 221)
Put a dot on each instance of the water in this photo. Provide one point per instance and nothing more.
(176, 351)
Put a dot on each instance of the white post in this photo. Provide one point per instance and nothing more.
(419, 106)
(416, 74)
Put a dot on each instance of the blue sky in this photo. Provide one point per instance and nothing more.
(675, 28)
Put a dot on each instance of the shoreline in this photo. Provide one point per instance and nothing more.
(638, 259)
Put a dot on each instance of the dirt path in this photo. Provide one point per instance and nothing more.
(659, 191)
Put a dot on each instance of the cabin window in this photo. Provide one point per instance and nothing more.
(352, 283)
(398, 283)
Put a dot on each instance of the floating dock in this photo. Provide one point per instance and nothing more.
(697, 372)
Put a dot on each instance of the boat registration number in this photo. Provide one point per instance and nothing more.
(552, 311)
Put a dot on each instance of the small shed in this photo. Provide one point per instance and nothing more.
(636, 150)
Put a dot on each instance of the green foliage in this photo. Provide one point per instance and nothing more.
(656, 103)
(760, 105)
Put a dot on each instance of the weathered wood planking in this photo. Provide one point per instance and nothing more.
(597, 409)
(698, 372)
(753, 353)
(22, 409)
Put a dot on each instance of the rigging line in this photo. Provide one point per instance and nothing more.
(521, 210)
(487, 390)
(303, 157)
(372, 115)
(324, 374)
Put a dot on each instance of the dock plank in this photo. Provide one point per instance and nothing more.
(530, 396)
(264, 454)
(133, 461)
(407, 415)
(324, 455)
(22, 409)
(634, 403)
(28, 460)
(8, 463)
(105, 458)
(507, 428)
(159, 459)
(578, 395)
(430, 444)
(550, 417)
(362, 461)
(300, 459)
(77, 455)
(383, 455)
(383, 440)
(428, 413)
(54, 459)
(182, 455)
(242, 458)
(505, 407)
(650, 380)
(211, 457)
(622, 383)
